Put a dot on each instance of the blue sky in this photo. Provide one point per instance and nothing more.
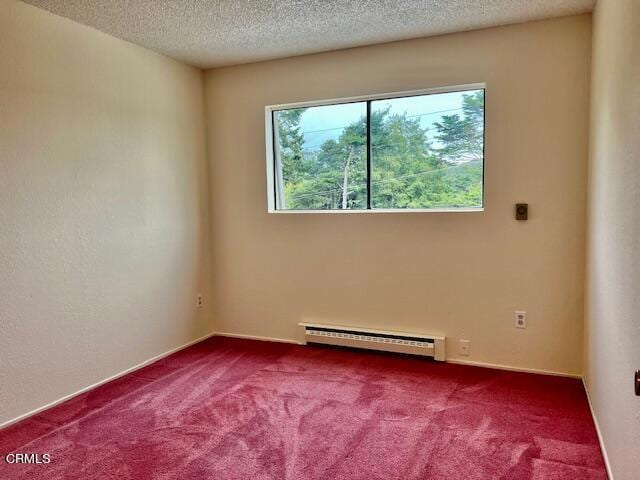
(323, 123)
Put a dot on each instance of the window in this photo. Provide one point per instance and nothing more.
(413, 151)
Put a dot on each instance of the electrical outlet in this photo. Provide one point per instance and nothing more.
(521, 319)
(464, 347)
(199, 300)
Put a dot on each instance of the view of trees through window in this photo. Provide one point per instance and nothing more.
(426, 152)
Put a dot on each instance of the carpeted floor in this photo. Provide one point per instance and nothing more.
(238, 409)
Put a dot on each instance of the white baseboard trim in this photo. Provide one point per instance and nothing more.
(102, 382)
(509, 368)
(256, 337)
(598, 431)
(449, 360)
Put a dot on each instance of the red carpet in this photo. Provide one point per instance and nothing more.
(234, 409)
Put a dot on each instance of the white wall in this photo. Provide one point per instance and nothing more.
(612, 330)
(103, 207)
(461, 275)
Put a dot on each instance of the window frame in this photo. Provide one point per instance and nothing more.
(270, 143)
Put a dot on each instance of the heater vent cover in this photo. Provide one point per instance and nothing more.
(401, 342)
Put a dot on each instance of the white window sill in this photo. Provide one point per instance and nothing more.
(385, 210)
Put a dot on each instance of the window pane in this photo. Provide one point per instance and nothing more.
(427, 151)
(321, 157)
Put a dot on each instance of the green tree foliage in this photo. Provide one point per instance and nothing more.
(290, 141)
(462, 137)
(408, 170)
(335, 176)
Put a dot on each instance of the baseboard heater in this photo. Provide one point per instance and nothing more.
(400, 342)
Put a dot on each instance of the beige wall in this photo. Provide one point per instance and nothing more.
(462, 274)
(103, 207)
(612, 340)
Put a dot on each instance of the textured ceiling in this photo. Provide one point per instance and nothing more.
(211, 33)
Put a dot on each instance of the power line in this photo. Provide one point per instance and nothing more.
(375, 147)
(317, 193)
(318, 147)
(408, 116)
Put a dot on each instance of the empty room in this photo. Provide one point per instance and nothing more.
(318, 240)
